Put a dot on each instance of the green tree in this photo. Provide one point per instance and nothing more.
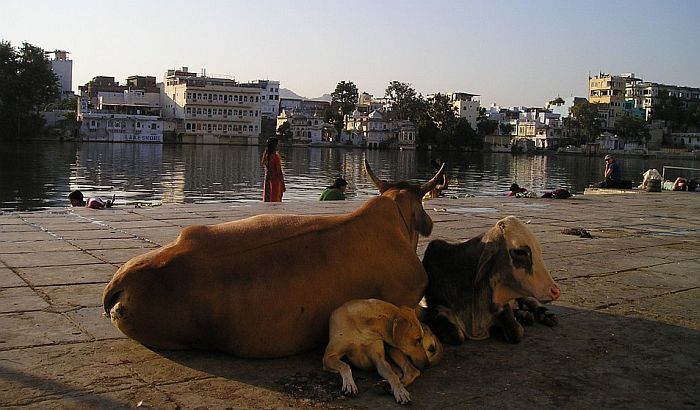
(506, 128)
(672, 110)
(585, 122)
(484, 126)
(403, 100)
(442, 113)
(462, 135)
(632, 129)
(343, 102)
(27, 85)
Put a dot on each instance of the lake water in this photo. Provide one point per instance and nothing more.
(40, 175)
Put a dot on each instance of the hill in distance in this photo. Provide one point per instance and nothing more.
(287, 93)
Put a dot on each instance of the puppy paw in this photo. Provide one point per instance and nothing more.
(401, 394)
(349, 388)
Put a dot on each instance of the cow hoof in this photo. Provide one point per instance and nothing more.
(513, 333)
(546, 317)
(524, 317)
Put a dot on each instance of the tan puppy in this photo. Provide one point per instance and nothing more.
(359, 329)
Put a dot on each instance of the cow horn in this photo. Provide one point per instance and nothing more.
(377, 181)
(428, 186)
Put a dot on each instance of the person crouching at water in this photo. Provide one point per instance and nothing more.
(335, 192)
(77, 199)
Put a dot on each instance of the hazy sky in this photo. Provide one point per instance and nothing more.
(511, 52)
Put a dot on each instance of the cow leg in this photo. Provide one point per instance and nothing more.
(510, 328)
(333, 364)
(408, 370)
(540, 313)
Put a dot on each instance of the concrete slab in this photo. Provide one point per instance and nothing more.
(36, 328)
(629, 332)
(9, 279)
(48, 245)
(67, 274)
(32, 259)
(20, 299)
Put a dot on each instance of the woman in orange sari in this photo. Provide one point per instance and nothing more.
(273, 186)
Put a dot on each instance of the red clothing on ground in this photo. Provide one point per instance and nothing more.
(273, 186)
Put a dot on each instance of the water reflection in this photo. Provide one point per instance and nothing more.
(35, 176)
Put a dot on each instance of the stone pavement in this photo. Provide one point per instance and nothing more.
(629, 333)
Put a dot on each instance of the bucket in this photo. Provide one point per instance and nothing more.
(654, 185)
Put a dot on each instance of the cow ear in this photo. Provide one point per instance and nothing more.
(421, 220)
(486, 261)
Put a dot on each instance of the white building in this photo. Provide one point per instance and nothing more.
(541, 127)
(466, 106)
(269, 98)
(378, 128)
(102, 126)
(306, 128)
(211, 110)
(131, 115)
(62, 66)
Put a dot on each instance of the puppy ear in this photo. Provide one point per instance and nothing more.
(400, 327)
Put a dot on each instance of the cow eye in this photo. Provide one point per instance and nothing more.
(521, 257)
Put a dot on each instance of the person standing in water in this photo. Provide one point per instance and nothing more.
(273, 184)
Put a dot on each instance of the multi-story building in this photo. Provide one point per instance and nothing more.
(609, 92)
(89, 91)
(466, 106)
(367, 103)
(379, 128)
(269, 98)
(62, 66)
(306, 127)
(108, 111)
(211, 110)
(644, 95)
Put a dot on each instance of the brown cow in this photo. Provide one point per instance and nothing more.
(265, 286)
(473, 286)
